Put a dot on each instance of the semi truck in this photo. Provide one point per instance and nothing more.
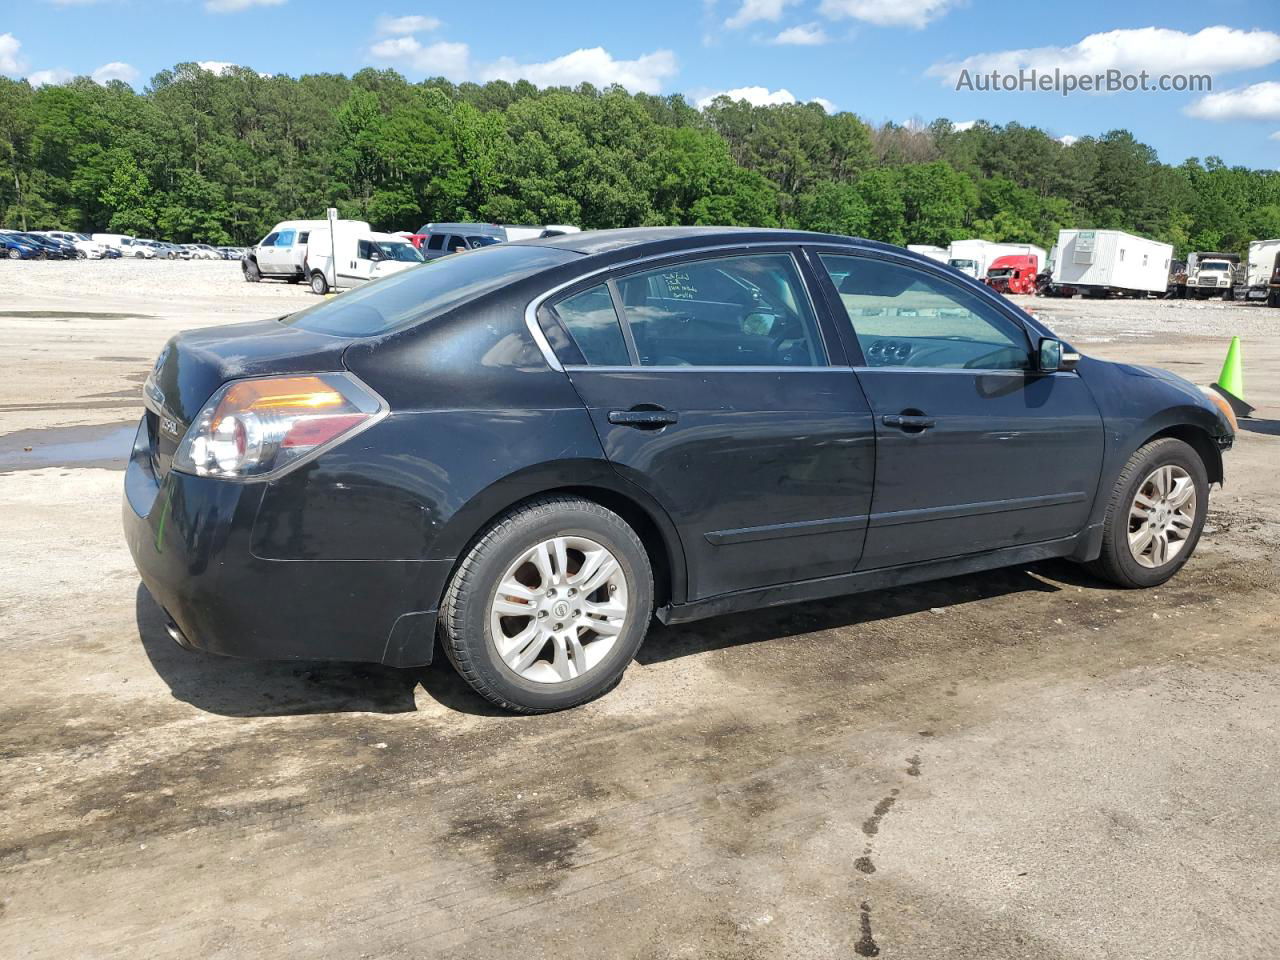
(1261, 273)
(1015, 273)
(1101, 263)
(1211, 274)
(975, 257)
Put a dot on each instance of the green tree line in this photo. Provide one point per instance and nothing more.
(219, 158)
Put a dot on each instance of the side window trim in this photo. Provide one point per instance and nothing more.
(621, 310)
(848, 331)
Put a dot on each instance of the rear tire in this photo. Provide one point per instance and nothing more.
(1128, 560)
(319, 285)
(561, 664)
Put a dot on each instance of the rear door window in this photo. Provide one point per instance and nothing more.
(741, 311)
(435, 241)
(455, 244)
(304, 236)
(591, 320)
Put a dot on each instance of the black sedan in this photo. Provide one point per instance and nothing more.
(533, 448)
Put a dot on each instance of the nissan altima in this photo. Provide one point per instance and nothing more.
(531, 449)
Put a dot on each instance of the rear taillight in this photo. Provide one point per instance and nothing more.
(261, 428)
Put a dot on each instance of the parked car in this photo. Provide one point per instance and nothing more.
(355, 256)
(50, 248)
(203, 251)
(86, 248)
(536, 446)
(441, 239)
(13, 247)
(281, 253)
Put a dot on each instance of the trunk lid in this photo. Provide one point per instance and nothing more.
(195, 363)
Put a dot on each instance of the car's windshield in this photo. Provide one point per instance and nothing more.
(412, 296)
(391, 250)
(1215, 265)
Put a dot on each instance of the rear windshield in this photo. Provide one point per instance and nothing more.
(420, 293)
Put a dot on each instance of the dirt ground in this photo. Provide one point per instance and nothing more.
(1017, 764)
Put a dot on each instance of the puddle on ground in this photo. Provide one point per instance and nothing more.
(100, 445)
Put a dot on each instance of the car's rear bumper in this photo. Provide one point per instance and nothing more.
(191, 541)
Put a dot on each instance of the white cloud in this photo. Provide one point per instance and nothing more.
(1275, 136)
(886, 13)
(762, 97)
(596, 66)
(1155, 49)
(410, 24)
(235, 6)
(964, 125)
(74, 3)
(1067, 139)
(115, 70)
(10, 59)
(752, 11)
(218, 67)
(805, 35)
(1261, 101)
(452, 60)
(46, 78)
(756, 96)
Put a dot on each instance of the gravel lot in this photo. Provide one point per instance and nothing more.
(1021, 764)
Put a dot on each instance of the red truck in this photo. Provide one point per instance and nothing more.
(1013, 274)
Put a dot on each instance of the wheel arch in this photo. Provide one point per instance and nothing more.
(1199, 440)
(590, 480)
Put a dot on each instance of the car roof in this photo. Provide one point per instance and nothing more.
(594, 242)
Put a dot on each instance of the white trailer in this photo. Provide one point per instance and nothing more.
(1102, 262)
(929, 250)
(974, 257)
(1262, 273)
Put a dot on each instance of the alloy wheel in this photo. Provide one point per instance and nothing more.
(1162, 516)
(558, 609)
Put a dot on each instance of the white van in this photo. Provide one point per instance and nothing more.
(282, 253)
(355, 255)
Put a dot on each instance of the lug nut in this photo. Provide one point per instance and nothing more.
(559, 626)
(573, 592)
(542, 614)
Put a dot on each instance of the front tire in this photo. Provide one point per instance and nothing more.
(251, 272)
(1155, 515)
(548, 607)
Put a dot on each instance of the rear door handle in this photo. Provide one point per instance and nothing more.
(907, 422)
(643, 419)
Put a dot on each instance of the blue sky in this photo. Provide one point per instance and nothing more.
(882, 59)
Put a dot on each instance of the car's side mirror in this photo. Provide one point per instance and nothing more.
(1053, 356)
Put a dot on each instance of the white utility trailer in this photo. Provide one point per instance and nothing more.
(1099, 263)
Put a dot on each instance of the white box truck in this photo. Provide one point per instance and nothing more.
(1098, 263)
(975, 257)
(353, 254)
(929, 250)
(1262, 273)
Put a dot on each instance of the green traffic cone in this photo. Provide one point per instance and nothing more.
(1231, 381)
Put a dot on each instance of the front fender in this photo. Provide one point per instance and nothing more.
(1138, 404)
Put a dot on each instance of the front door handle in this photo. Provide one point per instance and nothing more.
(643, 419)
(905, 421)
